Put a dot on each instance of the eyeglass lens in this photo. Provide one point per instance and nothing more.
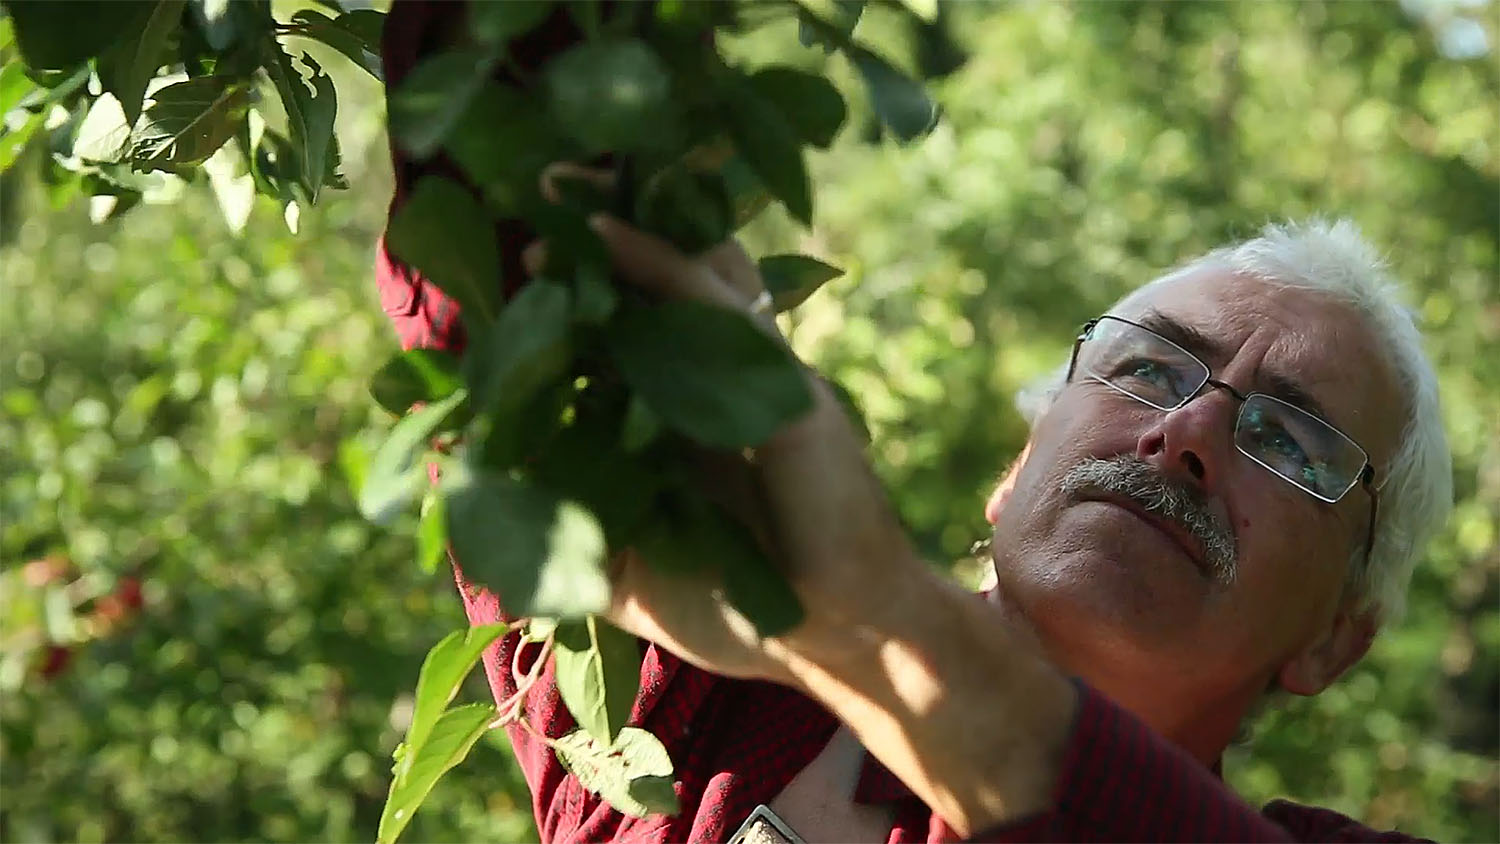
(1289, 441)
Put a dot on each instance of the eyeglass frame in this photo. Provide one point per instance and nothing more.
(1366, 474)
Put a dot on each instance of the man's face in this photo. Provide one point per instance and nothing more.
(1113, 594)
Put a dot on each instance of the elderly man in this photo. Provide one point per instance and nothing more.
(1214, 504)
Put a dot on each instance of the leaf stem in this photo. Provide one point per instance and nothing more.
(510, 708)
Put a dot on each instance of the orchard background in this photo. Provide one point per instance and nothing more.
(201, 639)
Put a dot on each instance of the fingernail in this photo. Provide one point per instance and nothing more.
(598, 222)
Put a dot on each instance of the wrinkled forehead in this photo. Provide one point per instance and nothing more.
(1283, 334)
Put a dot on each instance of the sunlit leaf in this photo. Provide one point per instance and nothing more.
(540, 554)
(187, 122)
(432, 533)
(598, 672)
(415, 375)
(392, 480)
(609, 771)
(443, 672)
(451, 739)
(311, 106)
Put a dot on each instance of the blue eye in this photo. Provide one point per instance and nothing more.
(1152, 372)
(1276, 445)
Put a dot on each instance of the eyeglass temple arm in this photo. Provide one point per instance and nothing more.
(1083, 334)
(1367, 479)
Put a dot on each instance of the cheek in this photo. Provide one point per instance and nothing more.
(1291, 559)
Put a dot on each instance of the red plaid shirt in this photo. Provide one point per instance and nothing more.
(735, 743)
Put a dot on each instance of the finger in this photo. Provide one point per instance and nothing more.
(732, 264)
(654, 265)
(534, 258)
(566, 170)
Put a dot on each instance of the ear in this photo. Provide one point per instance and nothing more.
(1007, 483)
(1316, 666)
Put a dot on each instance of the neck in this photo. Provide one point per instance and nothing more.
(1203, 728)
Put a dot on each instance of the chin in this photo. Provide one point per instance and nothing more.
(1096, 609)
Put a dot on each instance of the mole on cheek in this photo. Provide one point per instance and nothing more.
(1244, 523)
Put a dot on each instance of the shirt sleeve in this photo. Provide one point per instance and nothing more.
(424, 317)
(1121, 781)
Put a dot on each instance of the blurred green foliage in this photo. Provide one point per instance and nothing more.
(175, 402)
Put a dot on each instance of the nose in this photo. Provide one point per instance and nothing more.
(1193, 442)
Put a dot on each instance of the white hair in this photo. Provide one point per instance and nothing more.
(1416, 483)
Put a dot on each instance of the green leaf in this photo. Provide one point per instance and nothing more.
(808, 101)
(310, 113)
(451, 740)
(415, 375)
(443, 232)
(187, 122)
(610, 96)
(538, 628)
(501, 143)
(687, 536)
(542, 555)
(900, 102)
(15, 85)
(793, 278)
(496, 23)
(598, 669)
(584, 463)
(61, 36)
(689, 208)
(125, 68)
(432, 533)
(751, 583)
(427, 104)
(594, 296)
(571, 244)
(655, 793)
(851, 409)
(768, 143)
(709, 372)
(233, 186)
(104, 134)
(525, 349)
(219, 22)
(14, 141)
(443, 672)
(747, 195)
(392, 479)
(368, 24)
(828, 23)
(641, 426)
(925, 10)
(336, 33)
(610, 771)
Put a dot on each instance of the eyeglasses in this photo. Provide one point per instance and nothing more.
(1295, 445)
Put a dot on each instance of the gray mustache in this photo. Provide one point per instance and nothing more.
(1139, 481)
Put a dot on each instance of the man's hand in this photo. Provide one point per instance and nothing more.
(807, 492)
(931, 679)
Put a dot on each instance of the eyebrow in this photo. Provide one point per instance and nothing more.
(1276, 384)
